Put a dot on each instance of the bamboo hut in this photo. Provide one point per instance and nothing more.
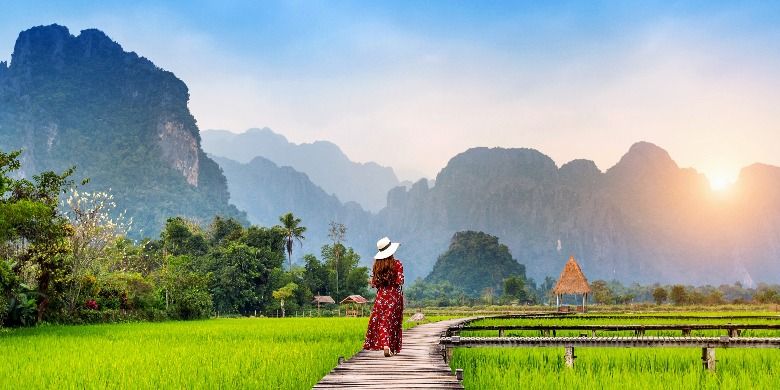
(322, 299)
(352, 303)
(572, 282)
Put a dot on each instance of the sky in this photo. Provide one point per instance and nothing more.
(411, 84)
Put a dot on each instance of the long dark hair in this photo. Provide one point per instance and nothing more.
(384, 272)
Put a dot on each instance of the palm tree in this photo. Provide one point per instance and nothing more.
(292, 232)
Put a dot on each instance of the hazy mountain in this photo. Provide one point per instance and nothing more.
(324, 163)
(475, 261)
(266, 191)
(644, 220)
(81, 100)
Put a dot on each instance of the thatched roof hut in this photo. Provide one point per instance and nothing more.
(354, 299)
(352, 302)
(572, 281)
(323, 299)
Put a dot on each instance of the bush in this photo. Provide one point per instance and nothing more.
(193, 304)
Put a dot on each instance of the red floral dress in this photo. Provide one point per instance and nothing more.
(387, 315)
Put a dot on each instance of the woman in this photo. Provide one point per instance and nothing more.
(384, 326)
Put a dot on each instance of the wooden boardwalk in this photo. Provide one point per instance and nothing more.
(419, 365)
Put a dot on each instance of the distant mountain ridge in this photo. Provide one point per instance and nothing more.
(123, 122)
(324, 163)
(644, 220)
(266, 191)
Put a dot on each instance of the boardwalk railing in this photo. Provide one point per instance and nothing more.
(707, 344)
(734, 330)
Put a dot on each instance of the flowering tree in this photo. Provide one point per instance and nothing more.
(94, 231)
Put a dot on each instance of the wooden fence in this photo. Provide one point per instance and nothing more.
(707, 344)
(734, 330)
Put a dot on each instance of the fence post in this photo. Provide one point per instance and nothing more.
(459, 374)
(500, 333)
(341, 360)
(569, 356)
(708, 358)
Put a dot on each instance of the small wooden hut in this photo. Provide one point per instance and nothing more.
(352, 302)
(322, 299)
(573, 282)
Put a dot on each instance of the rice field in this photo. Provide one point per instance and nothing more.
(265, 353)
(623, 368)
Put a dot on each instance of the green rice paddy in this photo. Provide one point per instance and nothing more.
(619, 368)
(265, 353)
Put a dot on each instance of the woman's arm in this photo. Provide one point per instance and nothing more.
(399, 276)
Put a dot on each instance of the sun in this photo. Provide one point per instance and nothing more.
(720, 183)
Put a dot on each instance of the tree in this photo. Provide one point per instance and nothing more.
(238, 278)
(337, 233)
(514, 289)
(679, 295)
(292, 232)
(339, 268)
(284, 293)
(660, 295)
(30, 218)
(601, 292)
(94, 230)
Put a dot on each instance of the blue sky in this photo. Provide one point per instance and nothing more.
(410, 84)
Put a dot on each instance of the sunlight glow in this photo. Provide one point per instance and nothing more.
(720, 183)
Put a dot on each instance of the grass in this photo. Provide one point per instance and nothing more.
(623, 368)
(266, 353)
(613, 368)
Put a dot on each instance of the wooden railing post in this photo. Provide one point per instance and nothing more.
(569, 356)
(708, 358)
(500, 333)
(459, 374)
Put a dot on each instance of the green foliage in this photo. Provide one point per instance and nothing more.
(515, 289)
(256, 353)
(421, 293)
(240, 275)
(679, 295)
(292, 232)
(475, 261)
(601, 293)
(660, 295)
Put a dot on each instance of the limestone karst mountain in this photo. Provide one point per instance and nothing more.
(123, 122)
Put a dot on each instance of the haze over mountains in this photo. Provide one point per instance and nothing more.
(125, 124)
(324, 162)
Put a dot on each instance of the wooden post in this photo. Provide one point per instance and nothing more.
(733, 332)
(459, 374)
(448, 355)
(593, 333)
(708, 358)
(557, 301)
(584, 297)
(686, 332)
(500, 333)
(569, 356)
(341, 360)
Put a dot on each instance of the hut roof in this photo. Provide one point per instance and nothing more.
(572, 280)
(354, 299)
(323, 299)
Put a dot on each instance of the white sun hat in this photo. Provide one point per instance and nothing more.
(386, 248)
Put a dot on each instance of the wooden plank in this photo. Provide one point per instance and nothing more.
(419, 365)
